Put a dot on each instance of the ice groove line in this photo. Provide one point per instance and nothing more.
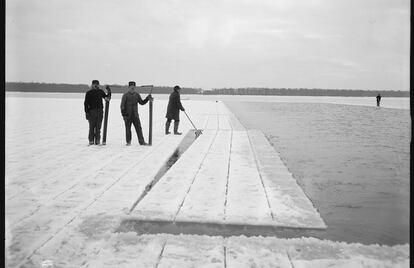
(85, 208)
(224, 255)
(45, 180)
(218, 117)
(56, 159)
(195, 176)
(260, 175)
(42, 145)
(74, 185)
(206, 122)
(126, 172)
(38, 146)
(162, 252)
(18, 136)
(51, 176)
(47, 240)
(114, 158)
(27, 216)
(290, 259)
(228, 174)
(228, 167)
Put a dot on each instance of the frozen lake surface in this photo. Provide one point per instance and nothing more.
(396, 103)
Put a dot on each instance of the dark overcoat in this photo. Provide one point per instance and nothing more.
(174, 107)
(129, 104)
(93, 99)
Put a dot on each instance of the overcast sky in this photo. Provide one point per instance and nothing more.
(356, 44)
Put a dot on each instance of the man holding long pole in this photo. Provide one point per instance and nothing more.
(129, 111)
(173, 111)
(94, 111)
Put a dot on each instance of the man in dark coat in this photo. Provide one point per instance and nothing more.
(94, 111)
(378, 99)
(173, 111)
(129, 111)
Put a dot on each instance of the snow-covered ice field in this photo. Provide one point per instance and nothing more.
(65, 200)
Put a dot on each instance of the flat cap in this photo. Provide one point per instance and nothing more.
(131, 83)
(95, 82)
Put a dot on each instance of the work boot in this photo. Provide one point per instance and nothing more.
(176, 128)
(167, 128)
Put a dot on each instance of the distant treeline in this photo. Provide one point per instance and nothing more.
(306, 92)
(82, 88)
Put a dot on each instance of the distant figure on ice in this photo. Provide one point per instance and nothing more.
(129, 111)
(173, 111)
(94, 111)
(378, 99)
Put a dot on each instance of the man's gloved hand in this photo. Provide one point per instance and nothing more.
(87, 116)
(125, 116)
(108, 90)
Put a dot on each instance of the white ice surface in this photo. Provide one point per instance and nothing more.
(56, 177)
(246, 197)
(206, 199)
(166, 197)
(162, 250)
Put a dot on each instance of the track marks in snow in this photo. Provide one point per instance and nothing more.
(69, 215)
(195, 176)
(160, 256)
(261, 178)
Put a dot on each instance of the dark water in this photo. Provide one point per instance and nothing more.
(351, 161)
(211, 229)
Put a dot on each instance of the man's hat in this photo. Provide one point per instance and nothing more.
(176, 88)
(95, 82)
(131, 83)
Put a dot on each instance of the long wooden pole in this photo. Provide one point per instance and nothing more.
(106, 116)
(150, 116)
(150, 123)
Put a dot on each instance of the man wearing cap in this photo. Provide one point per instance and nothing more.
(173, 111)
(129, 111)
(94, 111)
